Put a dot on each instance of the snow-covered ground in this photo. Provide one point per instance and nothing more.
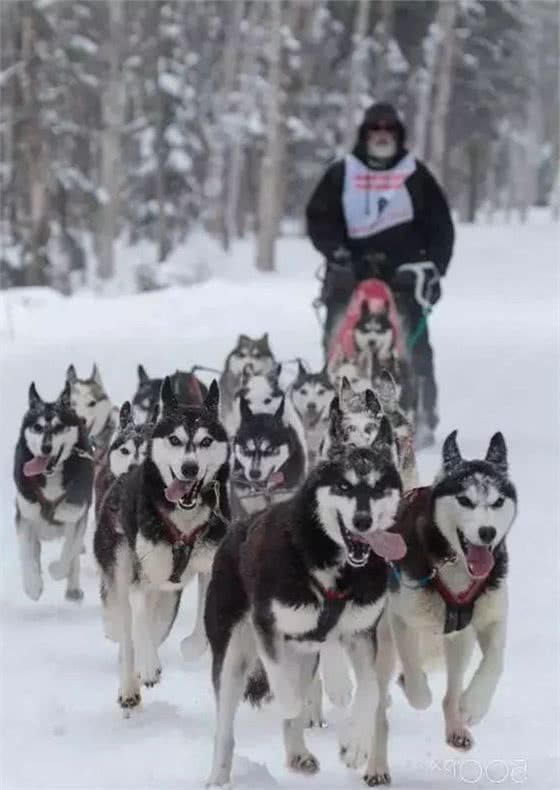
(496, 336)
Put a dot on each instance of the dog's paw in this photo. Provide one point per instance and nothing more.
(304, 763)
(473, 706)
(459, 738)
(193, 647)
(129, 699)
(150, 677)
(219, 779)
(58, 570)
(416, 690)
(77, 595)
(33, 587)
(317, 722)
(376, 778)
(354, 747)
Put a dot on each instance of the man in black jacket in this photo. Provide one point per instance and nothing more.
(373, 214)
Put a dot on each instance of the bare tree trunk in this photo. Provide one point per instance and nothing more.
(384, 35)
(248, 73)
(113, 117)
(359, 54)
(35, 156)
(214, 192)
(443, 87)
(268, 192)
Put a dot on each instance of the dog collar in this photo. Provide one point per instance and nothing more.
(329, 593)
(463, 598)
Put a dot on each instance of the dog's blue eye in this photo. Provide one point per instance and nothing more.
(206, 442)
(175, 441)
(498, 503)
(464, 501)
(343, 487)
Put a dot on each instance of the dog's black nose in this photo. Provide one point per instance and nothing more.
(362, 521)
(255, 474)
(487, 534)
(189, 470)
(46, 448)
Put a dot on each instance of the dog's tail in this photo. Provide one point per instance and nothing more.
(257, 691)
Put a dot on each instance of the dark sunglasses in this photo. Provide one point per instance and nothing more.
(383, 126)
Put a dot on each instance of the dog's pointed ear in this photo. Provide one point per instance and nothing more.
(71, 374)
(264, 341)
(143, 377)
(277, 371)
(212, 399)
(245, 409)
(34, 397)
(372, 403)
(385, 433)
(451, 453)
(125, 414)
(387, 389)
(243, 340)
(168, 401)
(96, 375)
(345, 393)
(64, 397)
(279, 414)
(364, 311)
(301, 369)
(497, 453)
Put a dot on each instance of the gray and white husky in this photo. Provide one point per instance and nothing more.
(450, 587)
(91, 403)
(173, 512)
(311, 394)
(354, 418)
(53, 472)
(249, 357)
(298, 575)
(388, 395)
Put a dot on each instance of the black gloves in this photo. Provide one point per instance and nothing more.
(422, 280)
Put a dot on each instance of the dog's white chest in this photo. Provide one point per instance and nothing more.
(64, 513)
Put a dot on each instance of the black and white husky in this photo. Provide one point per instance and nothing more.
(301, 573)
(450, 587)
(269, 460)
(91, 402)
(173, 513)
(249, 357)
(53, 472)
(387, 393)
(311, 394)
(354, 418)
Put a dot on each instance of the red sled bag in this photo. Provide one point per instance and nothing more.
(379, 297)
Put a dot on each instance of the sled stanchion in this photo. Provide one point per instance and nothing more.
(418, 330)
(196, 368)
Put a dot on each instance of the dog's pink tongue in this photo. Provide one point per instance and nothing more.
(177, 490)
(388, 545)
(480, 560)
(36, 466)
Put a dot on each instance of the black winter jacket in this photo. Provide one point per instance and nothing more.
(428, 237)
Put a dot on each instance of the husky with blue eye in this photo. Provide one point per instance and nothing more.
(53, 472)
(311, 394)
(173, 513)
(451, 587)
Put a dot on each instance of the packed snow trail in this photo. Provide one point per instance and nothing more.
(496, 339)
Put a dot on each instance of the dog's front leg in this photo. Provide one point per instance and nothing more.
(73, 589)
(145, 653)
(282, 667)
(476, 700)
(71, 548)
(195, 645)
(355, 740)
(413, 680)
(458, 650)
(377, 770)
(336, 675)
(129, 687)
(298, 756)
(30, 559)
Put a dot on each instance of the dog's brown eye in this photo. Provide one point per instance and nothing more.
(320, 392)
(175, 441)
(464, 501)
(91, 404)
(38, 428)
(303, 390)
(206, 442)
(498, 503)
(125, 451)
(267, 401)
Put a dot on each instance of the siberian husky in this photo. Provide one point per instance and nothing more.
(173, 511)
(303, 572)
(387, 394)
(251, 356)
(53, 472)
(187, 388)
(269, 460)
(91, 403)
(311, 394)
(450, 587)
